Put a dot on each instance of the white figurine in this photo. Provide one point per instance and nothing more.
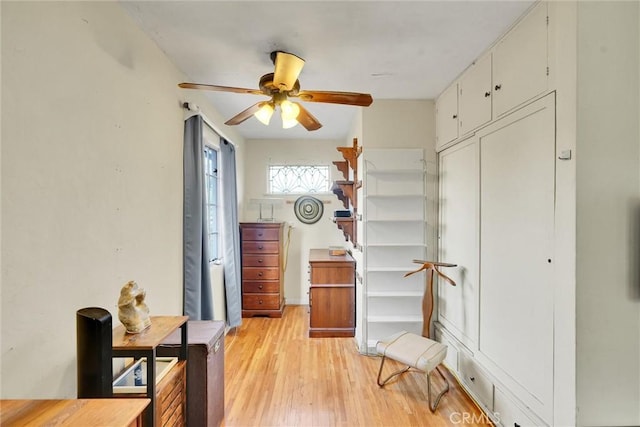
(132, 310)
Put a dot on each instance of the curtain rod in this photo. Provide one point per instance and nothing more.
(190, 106)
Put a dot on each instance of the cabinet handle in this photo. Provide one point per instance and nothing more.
(472, 379)
(487, 94)
(455, 116)
(498, 87)
(516, 425)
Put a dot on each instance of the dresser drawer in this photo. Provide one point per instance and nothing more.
(251, 260)
(508, 413)
(257, 273)
(255, 287)
(260, 302)
(249, 233)
(260, 247)
(476, 379)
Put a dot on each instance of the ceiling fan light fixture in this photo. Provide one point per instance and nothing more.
(264, 113)
(289, 114)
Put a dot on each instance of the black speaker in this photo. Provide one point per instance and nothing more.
(94, 348)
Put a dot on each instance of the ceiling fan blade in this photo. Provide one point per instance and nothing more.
(220, 88)
(306, 119)
(346, 98)
(244, 115)
(288, 68)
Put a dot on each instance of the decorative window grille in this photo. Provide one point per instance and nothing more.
(297, 179)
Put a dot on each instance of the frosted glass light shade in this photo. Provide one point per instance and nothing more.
(290, 112)
(264, 113)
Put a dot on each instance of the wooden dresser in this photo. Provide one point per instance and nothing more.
(332, 294)
(262, 275)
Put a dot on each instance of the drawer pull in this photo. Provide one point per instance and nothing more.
(260, 273)
(516, 425)
(259, 259)
(260, 247)
(472, 378)
(260, 287)
(260, 302)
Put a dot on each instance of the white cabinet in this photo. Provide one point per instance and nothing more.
(447, 116)
(517, 194)
(513, 72)
(474, 96)
(394, 234)
(458, 236)
(520, 62)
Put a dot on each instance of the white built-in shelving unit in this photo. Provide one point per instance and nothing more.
(393, 234)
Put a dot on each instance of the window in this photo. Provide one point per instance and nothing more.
(211, 185)
(292, 179)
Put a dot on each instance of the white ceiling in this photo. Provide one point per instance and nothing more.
(390, 49)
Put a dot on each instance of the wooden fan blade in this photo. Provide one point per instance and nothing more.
(220, 88)
(306, 119)
(241, 117)
(346, 98)
(288, 68)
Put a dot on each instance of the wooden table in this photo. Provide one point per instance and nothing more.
(73, 412)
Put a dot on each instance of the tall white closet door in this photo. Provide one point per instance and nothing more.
(517, 182)
(458, 238)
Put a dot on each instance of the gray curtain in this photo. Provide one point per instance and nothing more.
(230, 234)
(198, 298)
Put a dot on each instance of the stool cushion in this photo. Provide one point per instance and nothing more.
(413, 350)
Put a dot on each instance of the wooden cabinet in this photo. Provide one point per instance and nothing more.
(168, 397)
(262, 275)
(331, 294)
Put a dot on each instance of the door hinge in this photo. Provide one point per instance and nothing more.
(547, 71)
(547, 20)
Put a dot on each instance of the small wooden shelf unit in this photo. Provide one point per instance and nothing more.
(168, 398)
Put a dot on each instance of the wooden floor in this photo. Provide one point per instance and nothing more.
(275, 375)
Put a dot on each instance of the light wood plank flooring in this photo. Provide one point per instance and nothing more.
(275, 375)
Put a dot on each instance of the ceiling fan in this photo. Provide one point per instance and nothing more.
(281, 85)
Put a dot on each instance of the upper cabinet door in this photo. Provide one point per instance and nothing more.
(447, 116)
(520, 62)
(474, 96)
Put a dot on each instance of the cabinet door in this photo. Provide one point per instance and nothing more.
(517, 191)
(474, 96)
(332, 307)
(520, 62)
(458, 240)
(447, 116)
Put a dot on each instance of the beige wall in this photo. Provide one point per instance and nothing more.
(259, 154)
(407, 124)
(92, 134)
(608, 214)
